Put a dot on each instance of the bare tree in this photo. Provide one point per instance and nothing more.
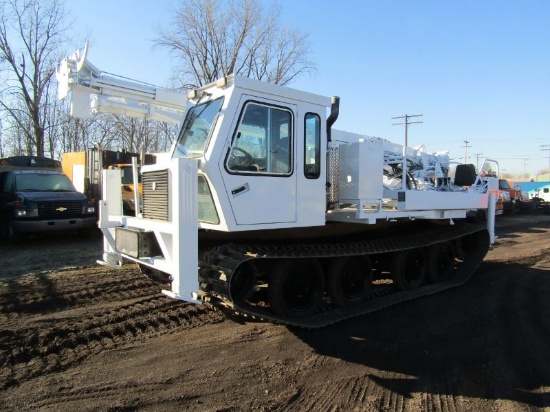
(30, 38)
(134, 134)
(214, 38)
(1, 134)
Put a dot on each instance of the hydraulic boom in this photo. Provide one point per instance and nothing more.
(93, 91)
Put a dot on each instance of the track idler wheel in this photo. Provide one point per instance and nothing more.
(409, 268)
(441, 261)
(349, 280)
(471, 243)
(296, 287)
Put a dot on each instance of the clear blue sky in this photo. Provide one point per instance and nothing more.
(477, 70)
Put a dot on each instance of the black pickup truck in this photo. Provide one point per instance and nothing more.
(36, 197)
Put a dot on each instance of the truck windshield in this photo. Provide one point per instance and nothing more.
(504, 184)
(43, 182)
(196, 129)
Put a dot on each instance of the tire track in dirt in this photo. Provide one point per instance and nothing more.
(256, 366)
(438, 394)
(354, 393)
(65, 289)
(66, 398)
(73, 324)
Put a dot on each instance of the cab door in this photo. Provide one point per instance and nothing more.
(259, 169)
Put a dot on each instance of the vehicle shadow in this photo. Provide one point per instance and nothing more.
(43, 253)
(489, 339)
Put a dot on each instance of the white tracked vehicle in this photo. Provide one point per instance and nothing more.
(264, 209)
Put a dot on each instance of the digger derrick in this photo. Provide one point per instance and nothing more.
(92, 91)
(266, 210)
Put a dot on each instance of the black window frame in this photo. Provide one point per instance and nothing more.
(291, 138)
(317, 172)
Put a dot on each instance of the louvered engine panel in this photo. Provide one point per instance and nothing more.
(155, 195)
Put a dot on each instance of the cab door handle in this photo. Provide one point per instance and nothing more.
(241, 189)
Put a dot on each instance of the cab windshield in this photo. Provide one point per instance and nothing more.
(43, 182)
(196, 129)
(504, 184)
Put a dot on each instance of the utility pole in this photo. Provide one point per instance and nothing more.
(547, 148)
(466, 149)
(406, 123)
(525, 169)
(477, 159)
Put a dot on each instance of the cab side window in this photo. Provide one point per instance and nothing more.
(262, 143)
(6, 182)
(312, 149)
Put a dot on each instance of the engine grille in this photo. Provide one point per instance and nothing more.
(60, 209)
(155, 195)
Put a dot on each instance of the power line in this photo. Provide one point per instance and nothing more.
(466, 149)
(546, 147)
(477, 159)
(407, 123)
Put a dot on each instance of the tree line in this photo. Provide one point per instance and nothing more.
(208, 38)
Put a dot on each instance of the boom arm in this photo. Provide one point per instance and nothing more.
(93, 91)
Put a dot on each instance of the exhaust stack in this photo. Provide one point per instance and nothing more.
(334, 111)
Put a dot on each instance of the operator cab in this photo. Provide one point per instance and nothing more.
(263, 144)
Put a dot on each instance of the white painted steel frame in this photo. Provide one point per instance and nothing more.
(177, 238)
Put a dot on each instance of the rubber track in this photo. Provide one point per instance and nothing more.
(219, 264)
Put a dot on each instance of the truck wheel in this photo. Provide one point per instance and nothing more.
(296, 287)
(409, 268)
(441, 261)
(11, 235)
(85, 233)
(349, 280)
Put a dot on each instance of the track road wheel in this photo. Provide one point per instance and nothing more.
(441, 261)
(242, 283)
(296, 287)
(349, 280)
(469, 244)
(409, 268)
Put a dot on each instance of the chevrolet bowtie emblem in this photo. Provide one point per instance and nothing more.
(61, 209)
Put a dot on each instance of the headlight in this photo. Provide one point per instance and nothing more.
(25, 213)
(90, 209)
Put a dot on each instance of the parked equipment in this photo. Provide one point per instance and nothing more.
(36, 197)
(538, 194)
(265, 209)
(84, 170)
(518, 200)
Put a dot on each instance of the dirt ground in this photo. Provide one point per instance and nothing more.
(78, 336)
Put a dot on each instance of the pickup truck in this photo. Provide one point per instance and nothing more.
(36, 197)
